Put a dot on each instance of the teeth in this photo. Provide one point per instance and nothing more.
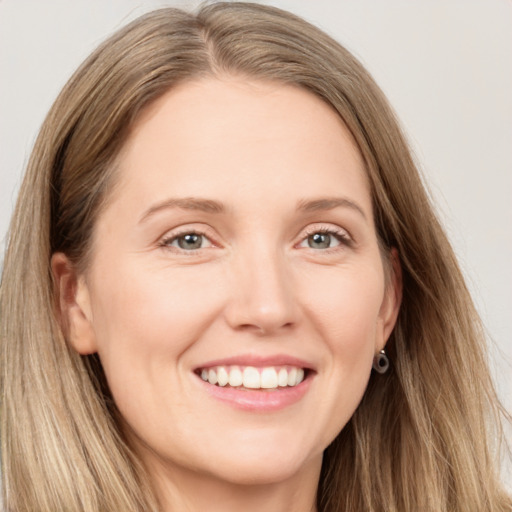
(292, 377)
(269, 378)
(251, 377)
(235, 377)
(282, 378)
(222, 376)
(212, 376)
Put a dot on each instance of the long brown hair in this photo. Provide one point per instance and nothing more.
(421, 437)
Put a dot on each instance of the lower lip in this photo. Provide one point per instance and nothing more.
(259, 400)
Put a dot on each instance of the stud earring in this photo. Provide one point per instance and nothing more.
(381, 362)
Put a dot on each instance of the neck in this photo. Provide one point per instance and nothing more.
(189, 491)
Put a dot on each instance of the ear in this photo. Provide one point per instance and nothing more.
(392, 300)
(73, 305)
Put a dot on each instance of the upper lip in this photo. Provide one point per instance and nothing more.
(259, 361)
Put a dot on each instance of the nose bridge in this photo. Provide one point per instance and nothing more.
(262, 297)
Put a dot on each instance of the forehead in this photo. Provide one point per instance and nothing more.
(236, 138)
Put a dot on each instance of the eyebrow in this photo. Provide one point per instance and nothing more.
(212, 206)
(329, 203)
(185, 203)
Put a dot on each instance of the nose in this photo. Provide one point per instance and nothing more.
(263, 296)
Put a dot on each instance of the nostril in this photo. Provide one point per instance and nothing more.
(264, 328)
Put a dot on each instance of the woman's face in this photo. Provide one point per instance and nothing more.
(236, 294)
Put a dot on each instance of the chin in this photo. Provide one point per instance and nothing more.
(268, 473)
(263, 467)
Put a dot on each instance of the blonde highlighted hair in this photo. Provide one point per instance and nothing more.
(423, 437)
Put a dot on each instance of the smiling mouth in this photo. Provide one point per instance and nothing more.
(252, 377)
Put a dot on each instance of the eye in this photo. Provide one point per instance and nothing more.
(321, 241)
(328, 238)
(187, 241)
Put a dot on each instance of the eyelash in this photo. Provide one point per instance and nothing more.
(166, 242)
(339, 234)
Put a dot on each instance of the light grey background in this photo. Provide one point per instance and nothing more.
(446, 66)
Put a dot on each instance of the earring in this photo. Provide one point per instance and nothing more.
(381, 362)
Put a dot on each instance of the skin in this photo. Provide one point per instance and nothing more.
(258, 285)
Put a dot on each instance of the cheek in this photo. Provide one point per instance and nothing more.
(148, 320)
(345, 311)
(344, 303)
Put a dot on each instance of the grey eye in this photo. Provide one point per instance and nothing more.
(320, 240)
(187, 242)
(190, 241)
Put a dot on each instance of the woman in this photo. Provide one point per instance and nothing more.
(227, 232)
